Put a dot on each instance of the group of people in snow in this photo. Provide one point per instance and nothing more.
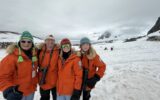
(59, 70)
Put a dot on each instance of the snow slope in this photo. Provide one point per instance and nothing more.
(133, 71)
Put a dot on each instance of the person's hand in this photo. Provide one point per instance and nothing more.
(12, 93)
(76, 95)
(92, 81)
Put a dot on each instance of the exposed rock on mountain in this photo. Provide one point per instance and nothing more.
(155, 28)
(106, 34)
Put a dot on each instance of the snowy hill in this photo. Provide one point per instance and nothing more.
(111, 36)
(102, 35)
(105, 35)
(133, 72)
(155, 34)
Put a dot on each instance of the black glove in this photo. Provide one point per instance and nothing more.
(92, 81)
(12, 93)
(76, 95)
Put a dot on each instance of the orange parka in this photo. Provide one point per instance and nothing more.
(14, 73)
(93, 63)
(51, 76)
(69, 75)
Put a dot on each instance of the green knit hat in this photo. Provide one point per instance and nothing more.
(85, 40)
(26, 35)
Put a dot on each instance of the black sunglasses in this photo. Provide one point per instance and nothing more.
(26, 41)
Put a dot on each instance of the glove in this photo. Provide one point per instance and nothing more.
(12, 93)
(76, 95)
(92, 81)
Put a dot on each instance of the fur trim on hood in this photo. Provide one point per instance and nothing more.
(78, 53)
(41, 45)
(72, 52)
(92, 53)
(10, 49)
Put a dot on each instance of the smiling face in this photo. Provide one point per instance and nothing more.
(49, 43)
(66, 47)
(26, 44)
(85, 47)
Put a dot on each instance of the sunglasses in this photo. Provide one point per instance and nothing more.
(66, 46)
(26, 41)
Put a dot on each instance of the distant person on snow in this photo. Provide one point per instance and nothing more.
(69, 73)
(111, 48)
(48, 58)
(93, 67)
(18, 70)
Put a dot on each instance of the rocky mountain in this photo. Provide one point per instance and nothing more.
(155, 28)
(106, 34)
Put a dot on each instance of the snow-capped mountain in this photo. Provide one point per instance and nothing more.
(110, 37)
(106, 34)
(102, 36)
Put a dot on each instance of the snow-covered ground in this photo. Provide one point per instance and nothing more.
(133, 71)
(2, 53)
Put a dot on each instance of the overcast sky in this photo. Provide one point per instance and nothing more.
(75, 18)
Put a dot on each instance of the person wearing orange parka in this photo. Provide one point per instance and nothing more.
(18, 70)
(48, 59)
(91, 62)
(69, 73)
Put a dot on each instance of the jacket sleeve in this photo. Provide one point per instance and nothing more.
(7, 69)
(77, 67)
(100, 65)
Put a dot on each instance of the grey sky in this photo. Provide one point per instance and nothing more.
(75, 18)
